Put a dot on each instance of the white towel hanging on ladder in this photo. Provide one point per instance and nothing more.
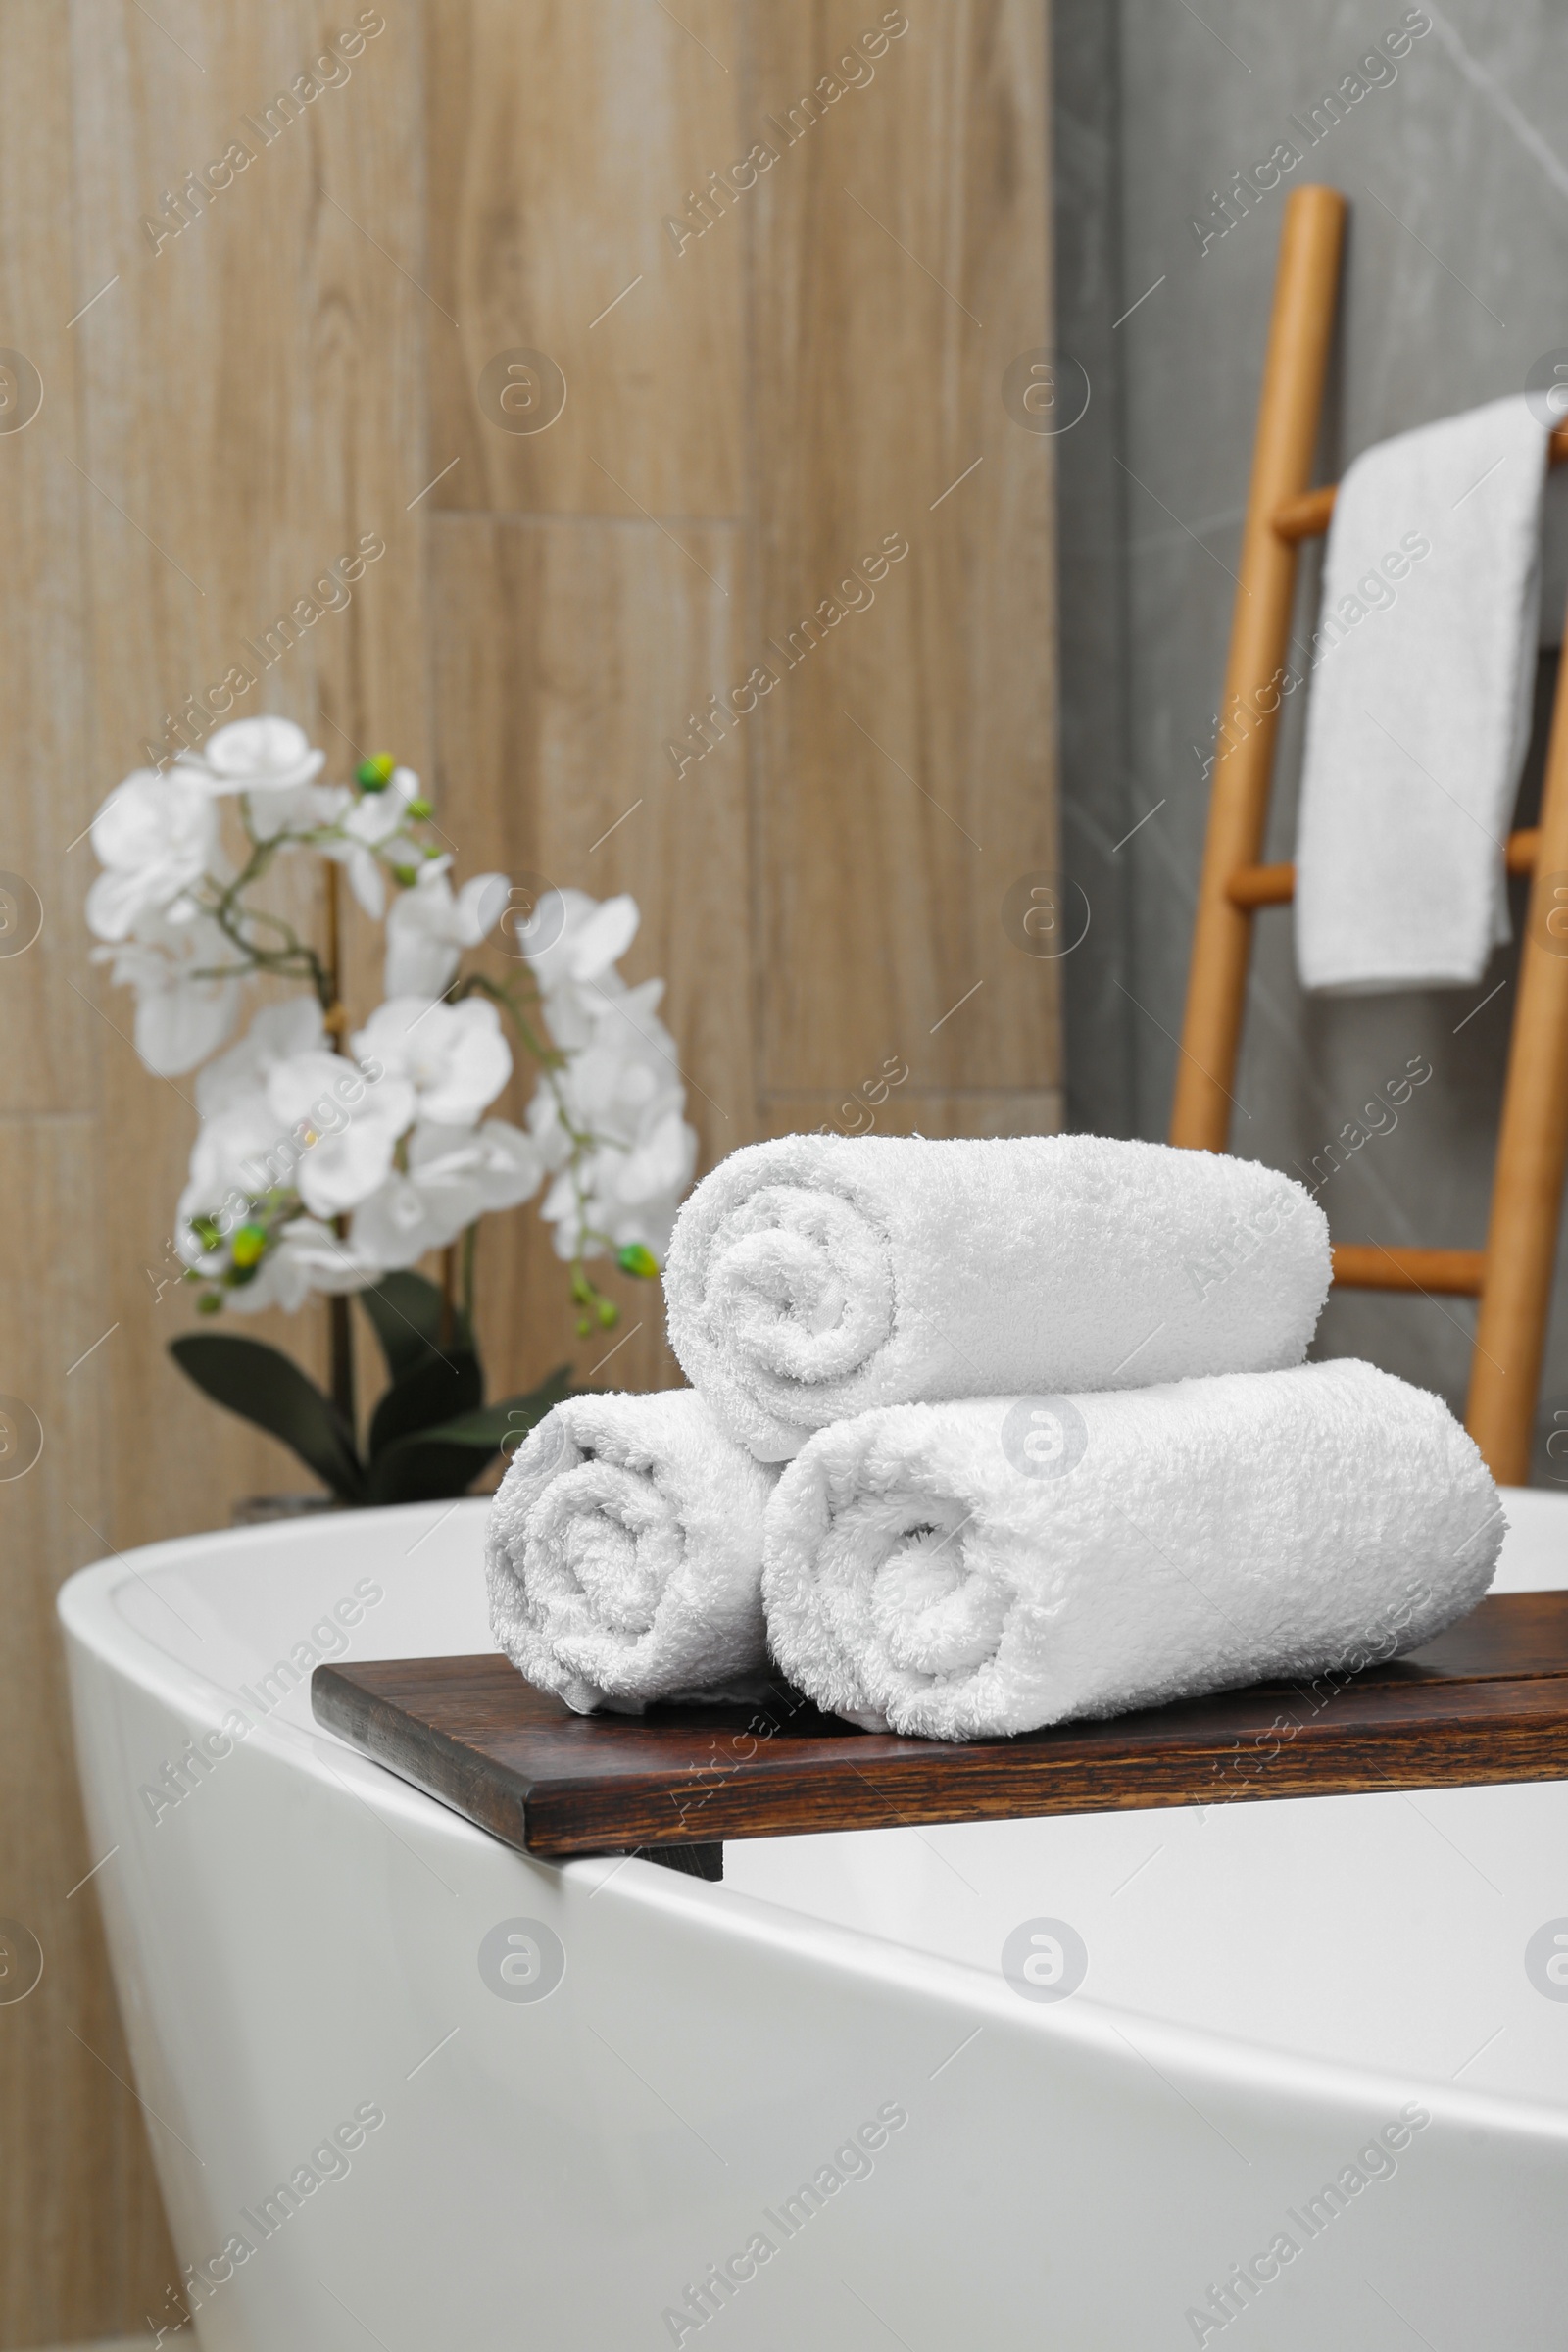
(1419, 715)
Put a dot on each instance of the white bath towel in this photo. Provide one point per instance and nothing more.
(964, 1570)
(1418, 716)
(625, 1552)
(814, 1277)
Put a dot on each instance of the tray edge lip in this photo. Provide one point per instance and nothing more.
(536, 1796)
(328, 1680)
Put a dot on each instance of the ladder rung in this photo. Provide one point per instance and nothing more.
(1262, 886)
(1275, 885)
(1368, 1266)
(1307, 517)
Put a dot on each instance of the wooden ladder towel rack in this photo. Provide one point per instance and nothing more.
(1511, 1277)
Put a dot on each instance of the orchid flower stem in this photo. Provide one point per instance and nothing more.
(479, 984)
(334, 931)
(339, 1322)
(294, 959)
(340, 1333)
(470, 1244)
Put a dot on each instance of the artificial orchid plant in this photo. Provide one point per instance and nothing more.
(331, 1156)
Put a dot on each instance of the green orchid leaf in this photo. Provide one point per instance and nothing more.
(263, 1384)
(421, 1469)
(428, 1464)
(406, 1311)
(492, 1424)
(440, 1384)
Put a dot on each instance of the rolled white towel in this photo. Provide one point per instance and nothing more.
(818, 1276)
(624, 1554)
(984, 1567)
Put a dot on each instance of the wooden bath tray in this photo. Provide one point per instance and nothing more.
(1486, 1701)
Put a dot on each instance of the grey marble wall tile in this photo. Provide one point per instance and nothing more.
(1456, 278)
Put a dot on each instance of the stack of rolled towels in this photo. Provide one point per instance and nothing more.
(984, 1436)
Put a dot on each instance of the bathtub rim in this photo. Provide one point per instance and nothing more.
(1247, 2068)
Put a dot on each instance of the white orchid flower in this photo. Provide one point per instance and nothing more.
(273, 764)
(402, 1219)
(243, 1149)
(454, 1055)
(627, 1186)
(241, 1153)
(155, 836)
(180, 1020)
(427, 928)
(503, 1165)
(298, 808)
(585, 936)
(377, 815)
(615, 1092)
(622, 1072)
(278, 1032)
(622, 1086)
(295, 1136)
(662, 1163)
(255, 755)
(454, 1175)
(371, 827)
(411, 1214)
(247, 1149)
(626, 1195)
(351, 1125)
(307, 1256)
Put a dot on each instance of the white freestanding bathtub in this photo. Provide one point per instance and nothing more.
(409, 2087)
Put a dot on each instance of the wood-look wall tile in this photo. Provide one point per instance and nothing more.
(82, 2243)
(909, 1111)
(45, 789)
(560, 139)
(276, 344)
(905, 761)
(562, 649)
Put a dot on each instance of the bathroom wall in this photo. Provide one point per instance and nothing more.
(813, 376)
(1456, 268)
(231, 404)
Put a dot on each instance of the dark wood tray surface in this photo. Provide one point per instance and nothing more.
(1487, 1701)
